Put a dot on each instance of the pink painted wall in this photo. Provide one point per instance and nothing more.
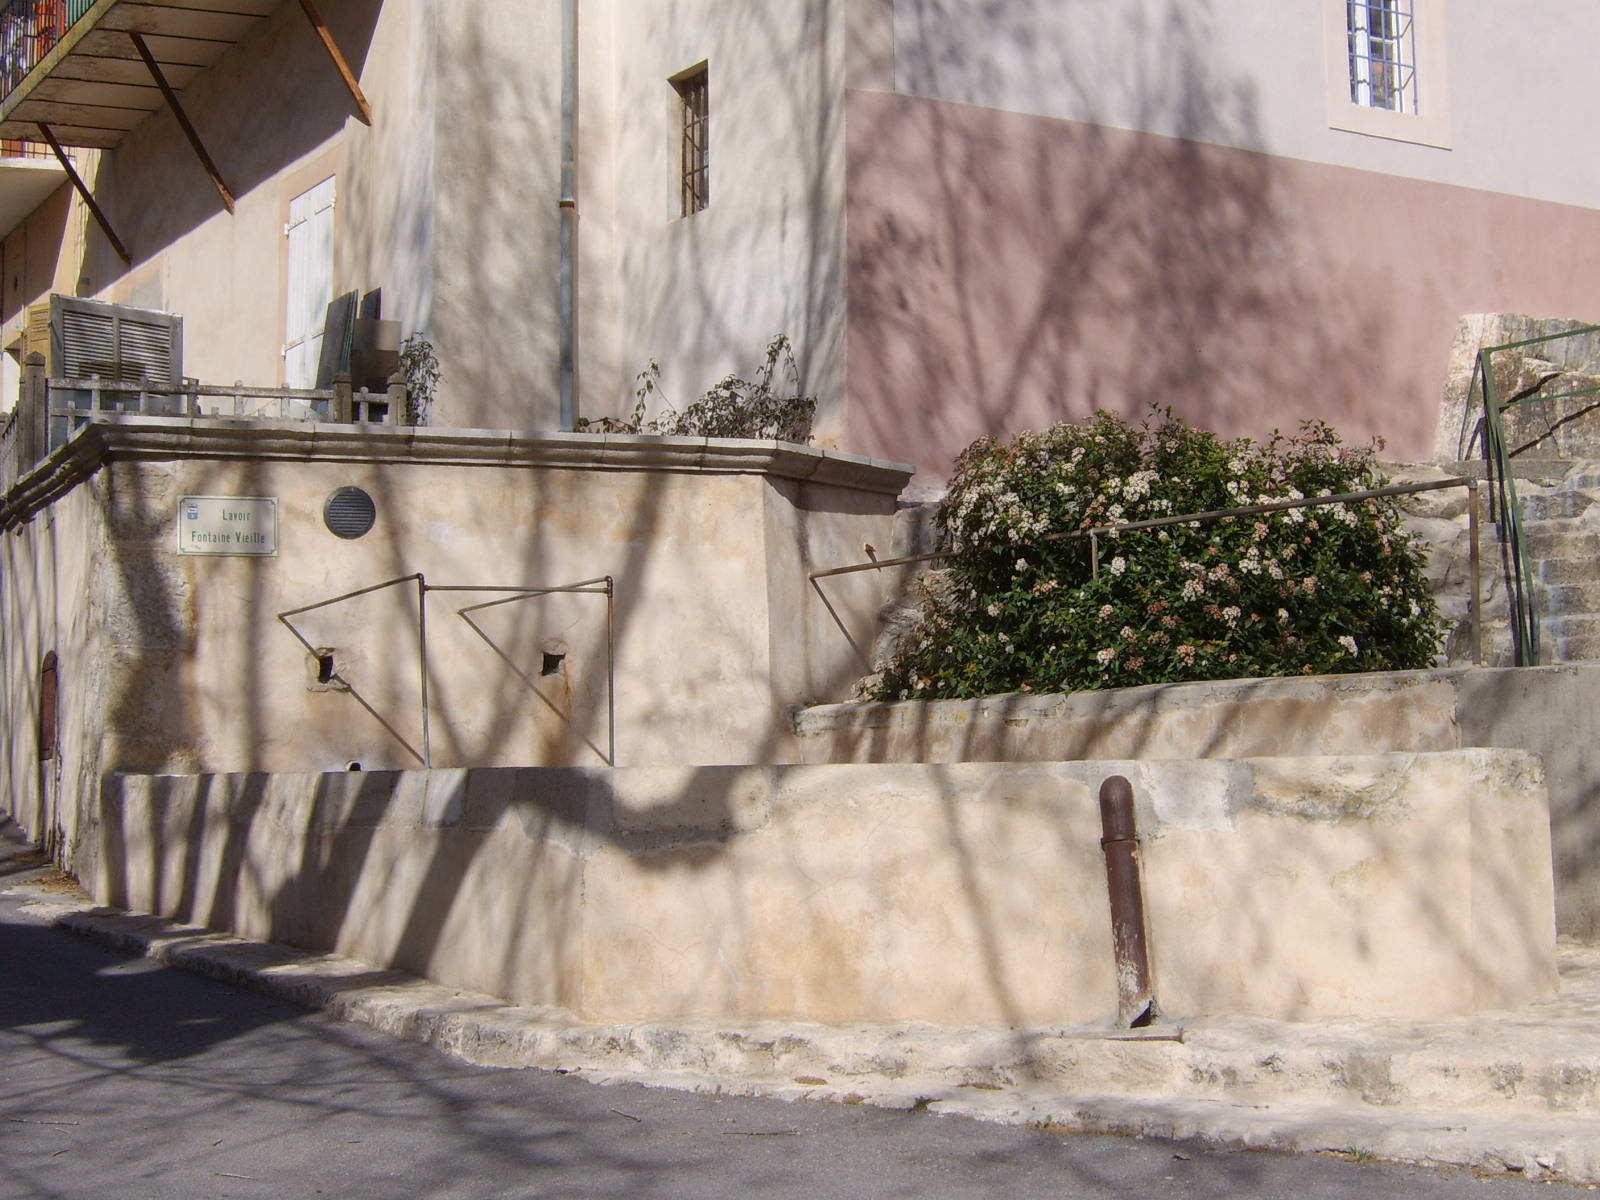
(1007, 271)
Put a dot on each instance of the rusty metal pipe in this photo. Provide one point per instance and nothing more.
(1136, 1005)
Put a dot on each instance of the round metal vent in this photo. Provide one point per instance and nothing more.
(349, 513)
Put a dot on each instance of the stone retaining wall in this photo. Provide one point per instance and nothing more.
(1297, 888)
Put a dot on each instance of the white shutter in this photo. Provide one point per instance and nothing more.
(310, 232)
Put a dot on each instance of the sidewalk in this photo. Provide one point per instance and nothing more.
(1518, 1091)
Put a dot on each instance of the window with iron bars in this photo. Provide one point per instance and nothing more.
(694, 153)
(1383, 57)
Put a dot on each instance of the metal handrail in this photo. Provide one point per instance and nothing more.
(1497, 468)
(1093, 534)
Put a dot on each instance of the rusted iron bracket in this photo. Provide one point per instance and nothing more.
(363, 109)
(183, 118)
(1136, 1002)
(86, 195)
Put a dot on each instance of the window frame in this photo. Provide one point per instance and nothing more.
(693, 91)
(1426, 119)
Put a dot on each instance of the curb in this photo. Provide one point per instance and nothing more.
(982, 1073)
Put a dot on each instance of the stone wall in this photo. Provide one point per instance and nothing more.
(181, 663)
(1295, 888)
(1548, 711)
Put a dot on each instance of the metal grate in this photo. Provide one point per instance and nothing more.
(1383, 55)
(694, 95)
(349, 513)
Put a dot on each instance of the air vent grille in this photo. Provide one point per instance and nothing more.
(349, 513)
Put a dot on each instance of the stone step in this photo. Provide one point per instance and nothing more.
(1568, 599)
(1584, 479)
(1540, 1060)
(1554, 540)
(1555, 505)
(1556, 572)
(1570, 638)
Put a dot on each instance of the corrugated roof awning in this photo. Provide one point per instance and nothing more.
(88, 82)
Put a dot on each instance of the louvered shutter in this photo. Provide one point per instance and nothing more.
(310, 282)
(114, 341)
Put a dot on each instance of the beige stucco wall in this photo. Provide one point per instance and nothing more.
(448, 202)
(1544, 710)
(702, 295)
(50, 589)
(277, 119)
(1297, 888)
(180, 663)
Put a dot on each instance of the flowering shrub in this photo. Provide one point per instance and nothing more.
(1318, 590)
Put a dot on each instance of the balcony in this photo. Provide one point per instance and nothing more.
(77, 67)
(29, 173)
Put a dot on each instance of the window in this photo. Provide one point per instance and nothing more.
(310, 283)
(1386, 69)
(1383, 54)
(694, 140)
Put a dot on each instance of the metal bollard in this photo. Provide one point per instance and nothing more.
(1136, 1004)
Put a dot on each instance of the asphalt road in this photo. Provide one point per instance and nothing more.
(121, 1080)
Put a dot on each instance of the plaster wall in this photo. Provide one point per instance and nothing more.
(1290, 888)
(1270, 75)
(1547, 711)
(52, 599)
(276, 118)
(716, 633)
(703, 294)
(1009, 270)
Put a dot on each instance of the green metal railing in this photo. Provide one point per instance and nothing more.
(1505, 506)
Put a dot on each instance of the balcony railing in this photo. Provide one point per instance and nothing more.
(73, 403)
(29, 30)
(50, 411)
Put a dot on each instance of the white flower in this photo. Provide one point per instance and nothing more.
(1105, 611)
(1022, 564)
(1231, 615)
(1105, 656)
(993, 610)
(1118, 565)
(1349, 643)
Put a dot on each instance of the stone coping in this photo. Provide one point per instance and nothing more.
(1145, 699)
(111, 436)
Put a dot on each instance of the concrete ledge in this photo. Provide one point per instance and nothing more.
(1288, 888)
(110, 436)
(1553, 712)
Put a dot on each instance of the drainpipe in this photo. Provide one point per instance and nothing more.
(569, 214)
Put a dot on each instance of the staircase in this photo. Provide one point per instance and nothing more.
(1562, 526)
(1560, 501)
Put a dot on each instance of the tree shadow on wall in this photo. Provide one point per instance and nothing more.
(1161, 251)
(1008, 270)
